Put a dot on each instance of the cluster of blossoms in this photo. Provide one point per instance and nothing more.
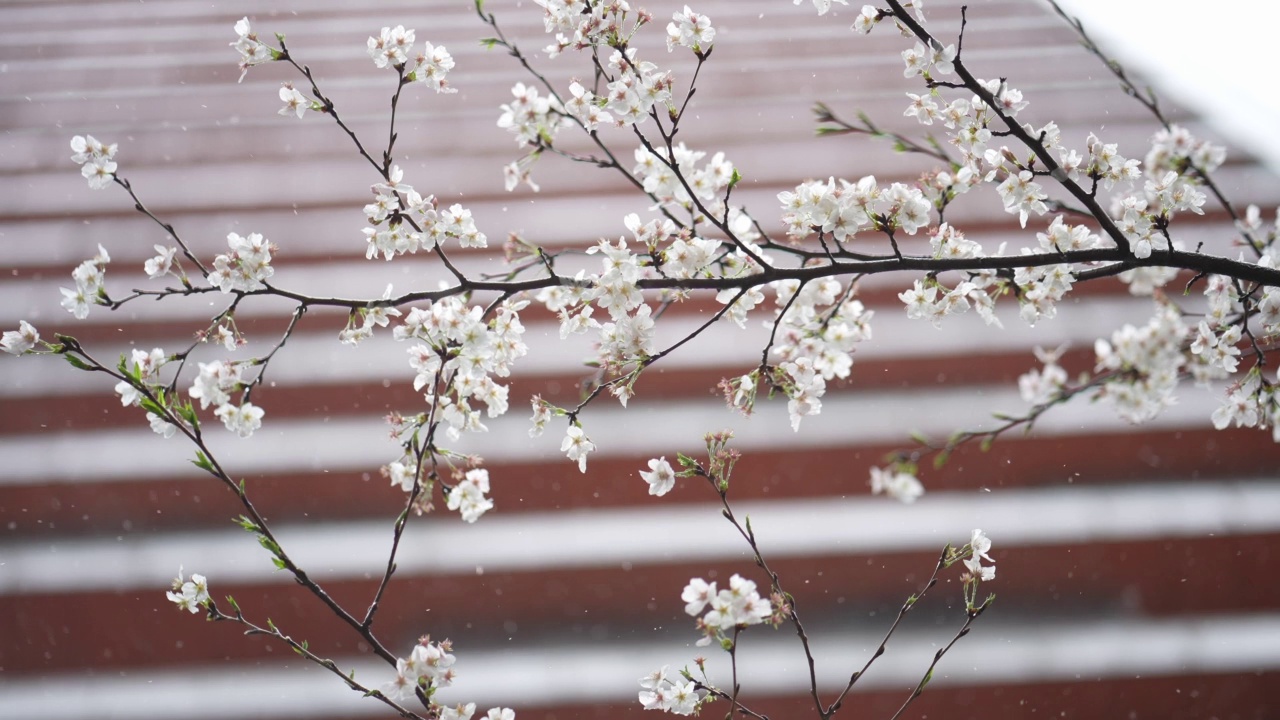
(638, 87)
(841, 210)
(246, 267)
(662, 176)
(89, 276)
(376, 315)
(821, 321)
(458, 354)
(1041, 386)
(403, 221)
(95, 160)
(143, 368)
(214, 385)
(897, 483)
(979, 546)
(534, 119)
(1147, 361)
(189, 595)
(738, 605)
(429, 665)
(393, 47)
(252, 51)
(468, 496)
(428, 668)
(689, 29)
(588, 23)
(1040, 287)
(678, 696)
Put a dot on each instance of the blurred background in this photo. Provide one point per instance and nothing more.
(1136, 565)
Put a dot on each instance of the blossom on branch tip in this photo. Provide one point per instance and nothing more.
(160, 265)
(979, 545)
(901, 486)
(431, 67)
(241, 420)
(391, 46)
(17, 342)
(251, 51)
(189, 595)
(295, 103)
(823, 6)
(246, 267)
(691, 30)
(576, 445)
(660, 476)
(468, 496)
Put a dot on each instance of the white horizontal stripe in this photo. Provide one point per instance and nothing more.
(655, 534)
(646, 428)
(771, 663)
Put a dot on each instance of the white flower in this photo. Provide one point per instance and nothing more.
(162, 427)
(459, 712)
(241, 420)
(295, 103)
(502, 714)
(99, 172)
(697, 595)
(214, 383)
(191, 594)
(690, 30)
(898, 485)
(980, 544)
(16, 342)
(468, 496)
(823, 5)
(391, 47)
(661, 477)
(433, 64)
(161, 263)
(975, 567)
(576, 445)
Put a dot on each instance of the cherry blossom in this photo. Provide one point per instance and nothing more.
(660, 476)
(242, 420)
(691, 30)
(576, 445)
(295, 103)
(468, 496)
(190, 595)
(901, 486)
(17, 342)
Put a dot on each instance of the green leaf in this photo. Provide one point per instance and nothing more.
(77, 363)
(247, 523)
(735, 178)
(489, 42)
(150, 406)
(480, 7)
(941, 459)
(202, 462)
(278, 563)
